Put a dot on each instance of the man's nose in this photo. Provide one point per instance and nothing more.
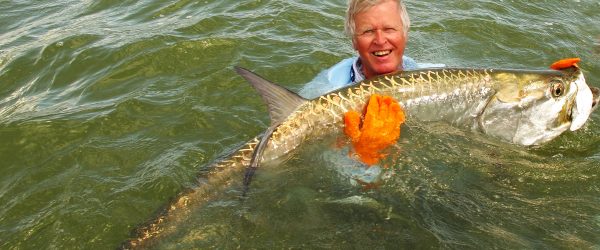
(380, 37)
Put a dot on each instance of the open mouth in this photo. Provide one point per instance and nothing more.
(382, 53)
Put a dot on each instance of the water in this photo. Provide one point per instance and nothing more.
(109, 109)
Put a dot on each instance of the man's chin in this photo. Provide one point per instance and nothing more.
(386, 66)
(380, 68)
(386, 70)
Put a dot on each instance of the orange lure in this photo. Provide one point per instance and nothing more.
(380, 128)
(565, 63)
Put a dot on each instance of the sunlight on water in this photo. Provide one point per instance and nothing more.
(110, 109)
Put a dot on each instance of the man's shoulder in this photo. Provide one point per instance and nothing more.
(340, 73)
(335, 77)
(409, 63)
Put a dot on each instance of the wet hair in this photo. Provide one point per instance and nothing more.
(357, 6)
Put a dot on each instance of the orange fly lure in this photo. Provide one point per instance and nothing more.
(379, 129)
(565, 63)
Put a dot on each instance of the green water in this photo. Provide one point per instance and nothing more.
(108, 109)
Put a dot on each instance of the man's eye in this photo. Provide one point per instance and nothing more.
(368, 32)
(389, 30)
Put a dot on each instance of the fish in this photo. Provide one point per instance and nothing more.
(523, 107)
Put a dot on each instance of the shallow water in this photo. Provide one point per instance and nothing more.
(109, 109)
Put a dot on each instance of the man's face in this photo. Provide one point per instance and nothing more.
(379, 39)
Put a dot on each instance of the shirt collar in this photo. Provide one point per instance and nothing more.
(356, 73)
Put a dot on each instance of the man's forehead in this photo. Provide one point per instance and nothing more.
(387, 22)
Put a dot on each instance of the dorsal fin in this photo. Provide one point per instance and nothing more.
(281, 102)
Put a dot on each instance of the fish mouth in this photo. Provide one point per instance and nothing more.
(586, 100)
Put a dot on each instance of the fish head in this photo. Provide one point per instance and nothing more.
(534, 107)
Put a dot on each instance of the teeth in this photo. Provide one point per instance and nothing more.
(382, 53)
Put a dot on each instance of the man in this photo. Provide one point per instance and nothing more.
(379, 31)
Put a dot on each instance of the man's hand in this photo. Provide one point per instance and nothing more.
(380, 127)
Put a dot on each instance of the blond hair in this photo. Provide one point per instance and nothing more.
(357, 6)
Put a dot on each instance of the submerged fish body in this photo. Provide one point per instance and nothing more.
(521, 107)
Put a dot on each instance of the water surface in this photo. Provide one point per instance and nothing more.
(109, 109)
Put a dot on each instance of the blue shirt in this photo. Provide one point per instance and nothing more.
(345, 73)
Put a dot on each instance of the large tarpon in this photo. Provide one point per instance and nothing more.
(525, 107)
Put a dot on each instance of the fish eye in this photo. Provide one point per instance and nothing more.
(558, 89)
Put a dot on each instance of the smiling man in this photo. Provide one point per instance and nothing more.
(379, 32)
